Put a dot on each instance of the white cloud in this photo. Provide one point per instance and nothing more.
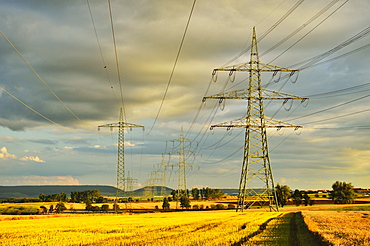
(5, 155)
(31, 158)
(42, 180)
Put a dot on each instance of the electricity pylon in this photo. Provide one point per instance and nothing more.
(121, 125)
(129, 185)
(256, 160)
(161, 177)
(182, 154)
(149, 186)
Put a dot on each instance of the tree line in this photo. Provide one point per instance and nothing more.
(87, 196)
(342, 193)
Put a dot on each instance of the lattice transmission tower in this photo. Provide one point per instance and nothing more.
(256, 167)
(129, 188)
(162, 169)
(182, 153)
(121, 178)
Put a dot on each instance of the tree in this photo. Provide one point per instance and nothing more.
(55, 197)
(166, 204)
(42, 197)
(184, 202)
(63, 197)
(342, 193)
(60, 207)
(306, 199)
(297, 197)
(174, 195)
(283, 194)
(195, 193)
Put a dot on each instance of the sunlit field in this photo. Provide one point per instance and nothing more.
(210, 227)
(340, 227)
(175, 228)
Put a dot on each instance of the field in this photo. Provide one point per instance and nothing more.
(340, 227)
(190, 228)
(175, 228)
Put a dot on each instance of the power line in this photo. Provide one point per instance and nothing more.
(36, 112)
(100, 50)
(317, 15)
(330, 108)
(174, 66)
(116, 56)
(291, 10)
(310, 31)
(336, 117)
(43, 82)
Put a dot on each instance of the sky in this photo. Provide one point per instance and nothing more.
(60, 82)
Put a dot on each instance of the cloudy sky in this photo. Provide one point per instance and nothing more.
(60, 82)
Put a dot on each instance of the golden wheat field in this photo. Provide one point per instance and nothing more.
(176, 228)
(340, 227)
(188, 228)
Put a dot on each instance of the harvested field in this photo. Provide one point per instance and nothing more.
(340, 227)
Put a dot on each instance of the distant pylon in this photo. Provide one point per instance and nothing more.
(121, 125)
(182, 154)
(256, 161)
(161, 170)
(129, 185)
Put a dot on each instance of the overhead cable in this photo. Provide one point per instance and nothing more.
(116, 56)
(310, 31)
(36, 112)
(43, 82)
(291, 10)
(174, 66)
(100, 50)
(322, 11)
(336, 117)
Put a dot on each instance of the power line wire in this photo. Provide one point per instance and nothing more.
(43, 82)
(116, 56)
(310, 31)
(100, 50)
(173, 68)
(276, 24)
(36, 112)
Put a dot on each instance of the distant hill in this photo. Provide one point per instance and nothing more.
(33, 191)
(156, 191)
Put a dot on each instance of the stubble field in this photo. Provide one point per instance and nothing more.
(189, 228)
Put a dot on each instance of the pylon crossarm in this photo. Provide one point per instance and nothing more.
(182, 139)
(121, 124)
(256, 123)
(265, 67)
(244, 94)
(177, 152)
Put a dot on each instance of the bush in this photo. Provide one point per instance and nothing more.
(220, 206)
(104, 208)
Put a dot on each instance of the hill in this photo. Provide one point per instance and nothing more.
(156, 191)
(33, 191)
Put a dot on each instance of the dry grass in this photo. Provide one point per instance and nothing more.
(340, 227)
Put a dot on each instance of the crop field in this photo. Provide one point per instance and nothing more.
(189, 228)
(176, 228)
(340, 227)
